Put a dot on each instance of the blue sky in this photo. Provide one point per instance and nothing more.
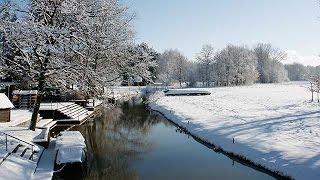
(292, 25)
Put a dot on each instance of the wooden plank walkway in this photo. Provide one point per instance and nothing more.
(45, 166)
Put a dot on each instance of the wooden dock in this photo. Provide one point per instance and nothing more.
(68, 113)
(186, 92)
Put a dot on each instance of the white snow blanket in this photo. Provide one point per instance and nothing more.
(70, 155)
(274, 125)
(22, 133)
(70, 146)
(18, 116)
(70, 139)
(5, 103)
(17, 168)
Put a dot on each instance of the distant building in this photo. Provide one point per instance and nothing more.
(24, 98)
(5, 108)
(134, 81)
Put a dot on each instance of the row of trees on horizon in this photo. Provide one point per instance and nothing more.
(232, 66)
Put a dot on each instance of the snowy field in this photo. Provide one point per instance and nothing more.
(273, 125)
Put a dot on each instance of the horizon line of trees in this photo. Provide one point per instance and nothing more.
(300, 72)
(232, 66)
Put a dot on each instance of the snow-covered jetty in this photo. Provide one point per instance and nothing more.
(185, 92)
(68, 113)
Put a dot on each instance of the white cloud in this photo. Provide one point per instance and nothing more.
(295, 57)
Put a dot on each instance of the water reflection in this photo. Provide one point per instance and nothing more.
(129, 142)
(116, 138)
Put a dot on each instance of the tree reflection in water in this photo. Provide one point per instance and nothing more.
(116, 138)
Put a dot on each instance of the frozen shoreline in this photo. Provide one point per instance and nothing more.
(273, 125)
(239, 158)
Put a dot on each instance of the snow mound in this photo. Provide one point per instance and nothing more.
(70, 146)
(70, 155)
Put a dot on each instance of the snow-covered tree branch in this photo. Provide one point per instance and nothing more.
(85, 43)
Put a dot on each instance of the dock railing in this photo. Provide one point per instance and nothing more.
(19, 142)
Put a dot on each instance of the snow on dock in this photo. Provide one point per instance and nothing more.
(47, 123)
(23, 133)
(17, 168)
(273, 125)
(72, 112)
(70, 146)
(185, 92)
(20, 117)
(54, 105)
(45, 167)
(19, 154)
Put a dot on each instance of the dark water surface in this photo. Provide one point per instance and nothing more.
(130, 142)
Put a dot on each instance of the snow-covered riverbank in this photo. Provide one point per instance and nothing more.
(274, 125)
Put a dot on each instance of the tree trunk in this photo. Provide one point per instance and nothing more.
(36, 108)
(41, 84)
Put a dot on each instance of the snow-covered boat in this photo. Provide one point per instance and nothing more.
(71, 149)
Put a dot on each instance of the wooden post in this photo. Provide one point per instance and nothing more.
(31, 152)
(9, 91)
(318, 89)
(311, 91)
(6, 142)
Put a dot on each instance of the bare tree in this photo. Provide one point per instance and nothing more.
(173, 67)
(206, 64)
(296, 71)
(312, 87)
(270, 68)
(236, 65)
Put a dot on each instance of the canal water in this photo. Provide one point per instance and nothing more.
(130, 142)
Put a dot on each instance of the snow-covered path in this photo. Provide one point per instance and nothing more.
(273, 125)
